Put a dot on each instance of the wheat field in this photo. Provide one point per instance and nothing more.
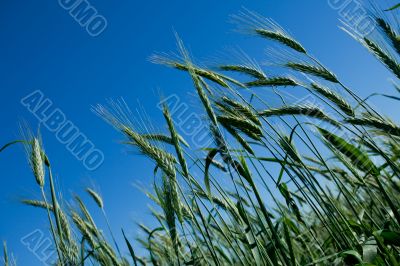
(302, 183)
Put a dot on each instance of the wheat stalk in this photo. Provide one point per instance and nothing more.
(272, 82)
(306, 110)
(334, 97)
(383, 56)
(390, 33)
(252, 22)
(37, 162)
(248, 70)
(239, 108)
(386, 126)
(313, 70)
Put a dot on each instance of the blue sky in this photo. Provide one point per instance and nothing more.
(43, 48)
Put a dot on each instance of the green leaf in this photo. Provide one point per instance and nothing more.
(209, 160)
(393, 7)
(357, 157)
(351, 257)
(391, 237)
(289, 201)
(239, 139)
(130, 248)
(153, 260)
(243, 169)
(5, 254)
(242, 212)
(290, 150)
(289, 241)
(11, 143)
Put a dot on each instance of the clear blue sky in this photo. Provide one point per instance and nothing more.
(42, 47)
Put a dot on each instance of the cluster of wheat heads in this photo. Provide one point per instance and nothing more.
(295, 184)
